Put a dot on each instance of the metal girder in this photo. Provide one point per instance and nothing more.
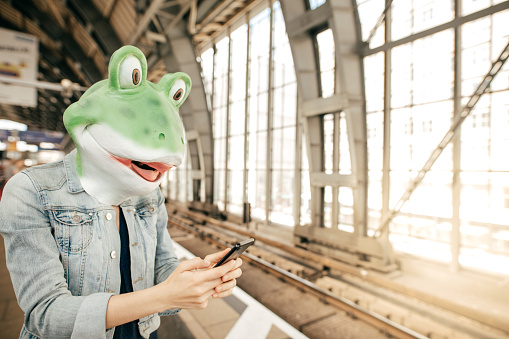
(449, 135)
(105, 34)
(302, 24)
(143, 23)
(179, 56)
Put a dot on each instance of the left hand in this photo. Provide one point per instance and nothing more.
(229, 279)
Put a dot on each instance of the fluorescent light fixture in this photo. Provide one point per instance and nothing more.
(10, 125)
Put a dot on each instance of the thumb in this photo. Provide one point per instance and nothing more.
(193, 264)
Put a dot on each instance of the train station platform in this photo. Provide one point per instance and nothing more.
(237, 316)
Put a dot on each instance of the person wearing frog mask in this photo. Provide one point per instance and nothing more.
(86, 241)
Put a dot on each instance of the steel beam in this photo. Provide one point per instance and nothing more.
(179, 56)
(302, 25)
(106, 35)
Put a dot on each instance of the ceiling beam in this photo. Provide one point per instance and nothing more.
(106, 36)
(142, 26)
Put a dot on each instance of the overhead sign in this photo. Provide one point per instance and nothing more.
(19, 55)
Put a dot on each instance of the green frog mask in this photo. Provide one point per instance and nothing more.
(127, 130)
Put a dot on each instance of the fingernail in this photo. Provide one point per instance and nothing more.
(206, 263)
(215, 295)
(226, 278)
(218, 289)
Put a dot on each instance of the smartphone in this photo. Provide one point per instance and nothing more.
(235, 251)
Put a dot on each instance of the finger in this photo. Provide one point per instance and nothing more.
(218, 272)
(238, 263)
(193, 264)
(223, 294)
(226, 286)
(215, 257)
(232, 275)
(211, 285)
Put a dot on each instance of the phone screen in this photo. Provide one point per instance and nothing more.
(235, 251)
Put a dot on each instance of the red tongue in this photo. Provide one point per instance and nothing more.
(148, 175)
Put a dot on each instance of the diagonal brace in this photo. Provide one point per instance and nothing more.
(458, 120)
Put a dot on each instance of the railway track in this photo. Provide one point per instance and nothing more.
(347, 292)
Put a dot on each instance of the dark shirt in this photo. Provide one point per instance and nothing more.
(129, 330)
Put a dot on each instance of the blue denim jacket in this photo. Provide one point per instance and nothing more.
(63, 251)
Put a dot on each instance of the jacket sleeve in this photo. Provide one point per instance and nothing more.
(36, 271)
(166, 259)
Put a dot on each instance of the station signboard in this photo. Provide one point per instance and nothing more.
(19, 54)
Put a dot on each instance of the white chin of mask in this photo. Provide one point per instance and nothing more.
(108, 179)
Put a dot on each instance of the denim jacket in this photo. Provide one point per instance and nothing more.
(63, 251)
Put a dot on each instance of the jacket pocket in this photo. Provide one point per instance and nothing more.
(146, 214)
(73, 229)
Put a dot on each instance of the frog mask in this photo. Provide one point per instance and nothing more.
(127, 130)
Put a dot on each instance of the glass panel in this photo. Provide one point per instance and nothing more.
(313, 4)
(409, 17)
(471, 6)
(345, 198)
(236, 153)
(369, 12)
(305, 193)
(375, 125)
(401, 76)
(327, 208)
(235, 191)
(328, 141)
(374, 82)
(182, 182)
(219, 188)
(433, 83)
(257, 194)
(207, 65)
(237, 117)
(238, 63)
(326, 51)
(282, 197)
(374, 199)
(173, 183)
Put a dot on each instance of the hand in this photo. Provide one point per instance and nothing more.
(228, 280)
(191, 284)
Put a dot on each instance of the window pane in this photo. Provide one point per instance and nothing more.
(409, 17)
(326, 51)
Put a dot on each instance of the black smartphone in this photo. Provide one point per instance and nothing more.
(235, 251)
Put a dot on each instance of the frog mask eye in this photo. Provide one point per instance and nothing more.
(130, 73)
(178, 91)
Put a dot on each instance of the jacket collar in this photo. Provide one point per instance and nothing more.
(73, 181)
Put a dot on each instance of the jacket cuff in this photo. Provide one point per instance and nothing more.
(91, 318)
(170, 312)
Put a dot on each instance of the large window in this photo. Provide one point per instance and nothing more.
(283, 127)
(249, 119)
(219, 119)
(421, 108)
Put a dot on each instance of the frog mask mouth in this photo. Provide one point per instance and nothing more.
(148, 164)
(150, 171)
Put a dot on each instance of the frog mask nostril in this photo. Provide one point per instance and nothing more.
(161, 136)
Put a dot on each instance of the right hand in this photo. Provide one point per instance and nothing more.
(191, 284)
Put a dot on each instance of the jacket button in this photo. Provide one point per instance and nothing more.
(108, 216)
(113, 254)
